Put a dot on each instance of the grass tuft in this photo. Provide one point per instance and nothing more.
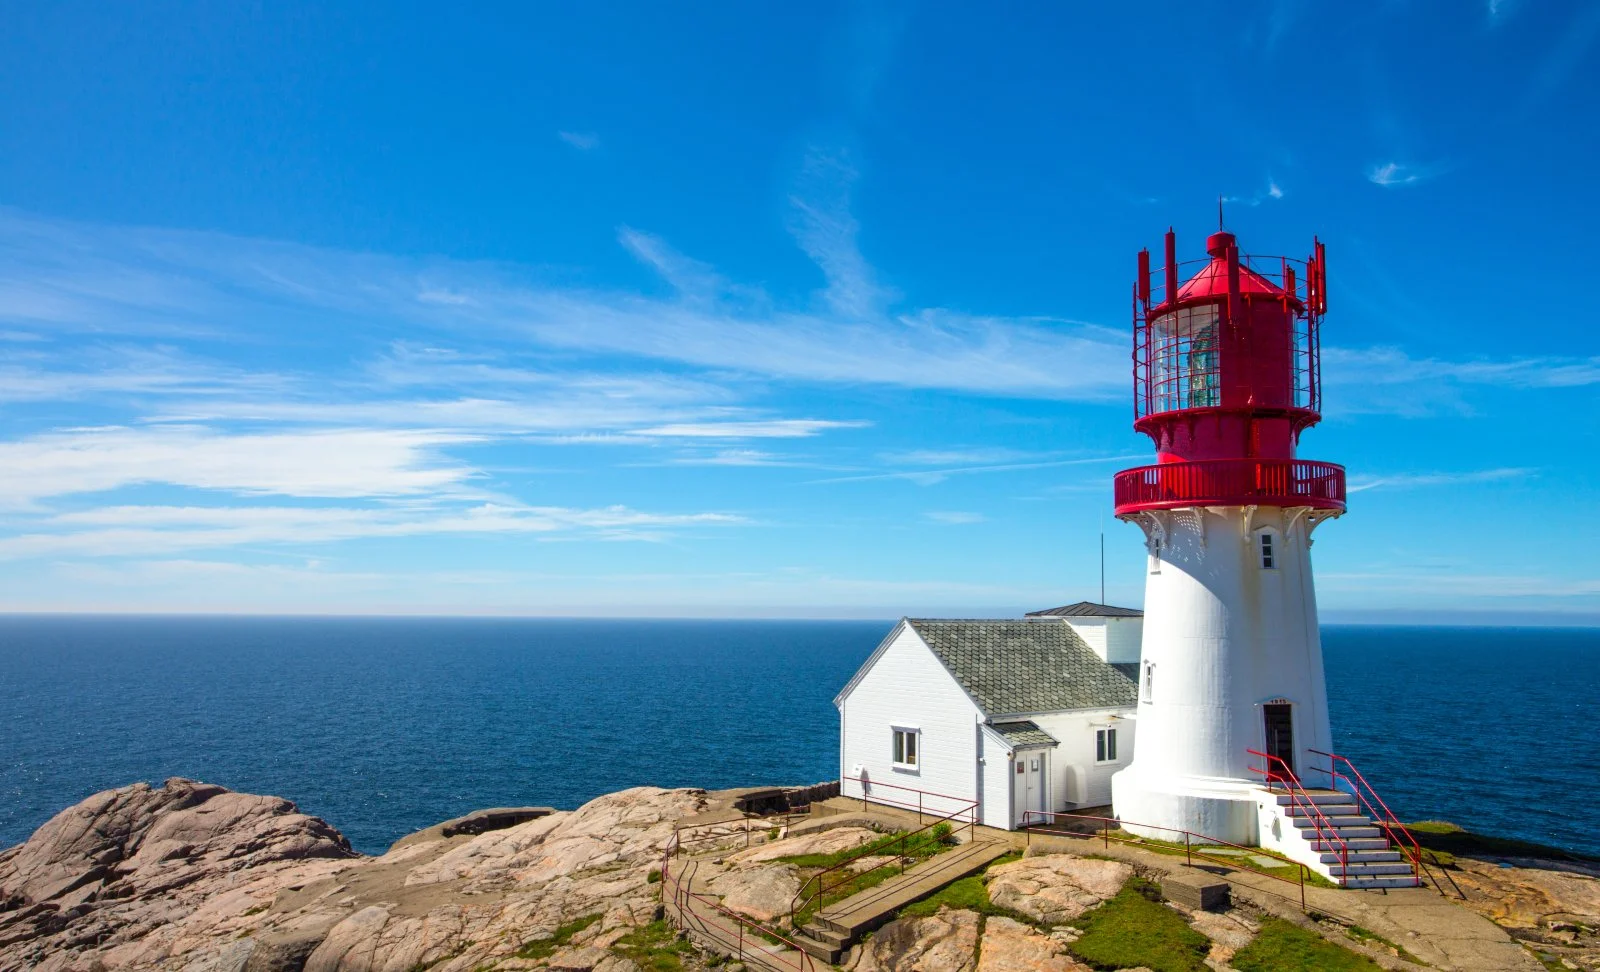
(655, 947)
(1133, 929)
(546, 947)
(1285, 947)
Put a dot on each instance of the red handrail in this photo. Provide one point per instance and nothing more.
(682, 894)
(1297, 793)
(1188, 848)
(1387, 820)
(969, 808)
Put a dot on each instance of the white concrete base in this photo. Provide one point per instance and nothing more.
(1221, 809)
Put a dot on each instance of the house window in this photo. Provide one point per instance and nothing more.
(906, 748)
(1269, 551)
(1147, 685)
(1105, 745)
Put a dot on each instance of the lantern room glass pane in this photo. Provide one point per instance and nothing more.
(1185, 370)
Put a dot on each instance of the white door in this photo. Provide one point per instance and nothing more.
(1027, 793)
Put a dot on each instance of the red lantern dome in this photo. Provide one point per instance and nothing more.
(1227, 374)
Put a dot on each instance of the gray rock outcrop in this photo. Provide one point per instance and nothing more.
(196, 878)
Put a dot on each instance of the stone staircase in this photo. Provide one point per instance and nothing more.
(1355, 854)
(839, 925)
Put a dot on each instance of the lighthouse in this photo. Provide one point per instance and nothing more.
(1230, 680)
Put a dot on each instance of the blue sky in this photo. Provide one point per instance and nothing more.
(804, 310)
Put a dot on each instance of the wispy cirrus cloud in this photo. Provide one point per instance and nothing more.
(1388, 380)
(157, 530)
(931, 477)
(1428, 479)
(1268, 193)
(955, 517)
(317, 463)
(582, 141)
(1392, 175)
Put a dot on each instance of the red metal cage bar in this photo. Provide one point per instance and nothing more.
(1231, 482)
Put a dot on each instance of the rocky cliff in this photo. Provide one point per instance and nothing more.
(197, 878)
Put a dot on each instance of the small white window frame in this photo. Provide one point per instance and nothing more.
(1105, 745)
(896, 752)
(1147, 682)
(1269, 549)
(1155, 556)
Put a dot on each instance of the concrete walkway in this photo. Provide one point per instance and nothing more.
(1434, 928)
(720, 932)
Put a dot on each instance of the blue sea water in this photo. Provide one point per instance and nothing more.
(385, 726)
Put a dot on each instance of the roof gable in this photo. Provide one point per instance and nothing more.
(1016, 666)
(1087, 609)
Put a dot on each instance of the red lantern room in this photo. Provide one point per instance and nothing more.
(1226, 375)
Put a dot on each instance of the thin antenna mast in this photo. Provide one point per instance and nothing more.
(1220, 227)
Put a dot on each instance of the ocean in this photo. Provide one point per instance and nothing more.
(384, 726)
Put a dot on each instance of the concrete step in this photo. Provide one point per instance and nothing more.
(1370, 870)
(825, 935)
(1363, 857)
(1324, 810)
(1385, 881)
(1354, 843)
(1324, 803)
(1338, 823)
(1284, 799)
(823, 951)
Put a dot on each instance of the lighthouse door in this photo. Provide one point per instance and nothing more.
(1279, 719)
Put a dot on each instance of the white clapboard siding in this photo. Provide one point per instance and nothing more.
(1076, 733)
(995, 779)
(905, 685)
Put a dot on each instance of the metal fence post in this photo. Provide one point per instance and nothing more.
(1188, 858)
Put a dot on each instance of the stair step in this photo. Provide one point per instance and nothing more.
(1325, 810)
(818, 950)
(828, 936)
(1338, 823)
(1354, 843)
(1386, 881)
(1362, 857)
(1364, 870)
(1322, 800)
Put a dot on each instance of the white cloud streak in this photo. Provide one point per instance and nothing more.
(1423, 480)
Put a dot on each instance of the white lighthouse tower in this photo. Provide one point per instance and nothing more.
(1226, 378)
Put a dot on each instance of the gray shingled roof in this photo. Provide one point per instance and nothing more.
(1087, 609)
(1024, 666)
(1023, 734)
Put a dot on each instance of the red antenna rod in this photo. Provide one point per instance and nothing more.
(1171, 293)
(1144, 279)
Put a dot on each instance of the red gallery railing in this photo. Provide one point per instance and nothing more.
(1231, 482)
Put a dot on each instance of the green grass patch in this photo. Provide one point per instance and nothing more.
(1134, 929)
(969, 893)
(1288, 870)
(545, 947)
(1285, 947)
(655, 947)
(1444, 841)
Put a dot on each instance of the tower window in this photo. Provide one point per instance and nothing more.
(1155, 556)
(1147, 685)
(1269, 553)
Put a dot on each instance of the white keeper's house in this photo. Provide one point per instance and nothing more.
(1011, 715)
